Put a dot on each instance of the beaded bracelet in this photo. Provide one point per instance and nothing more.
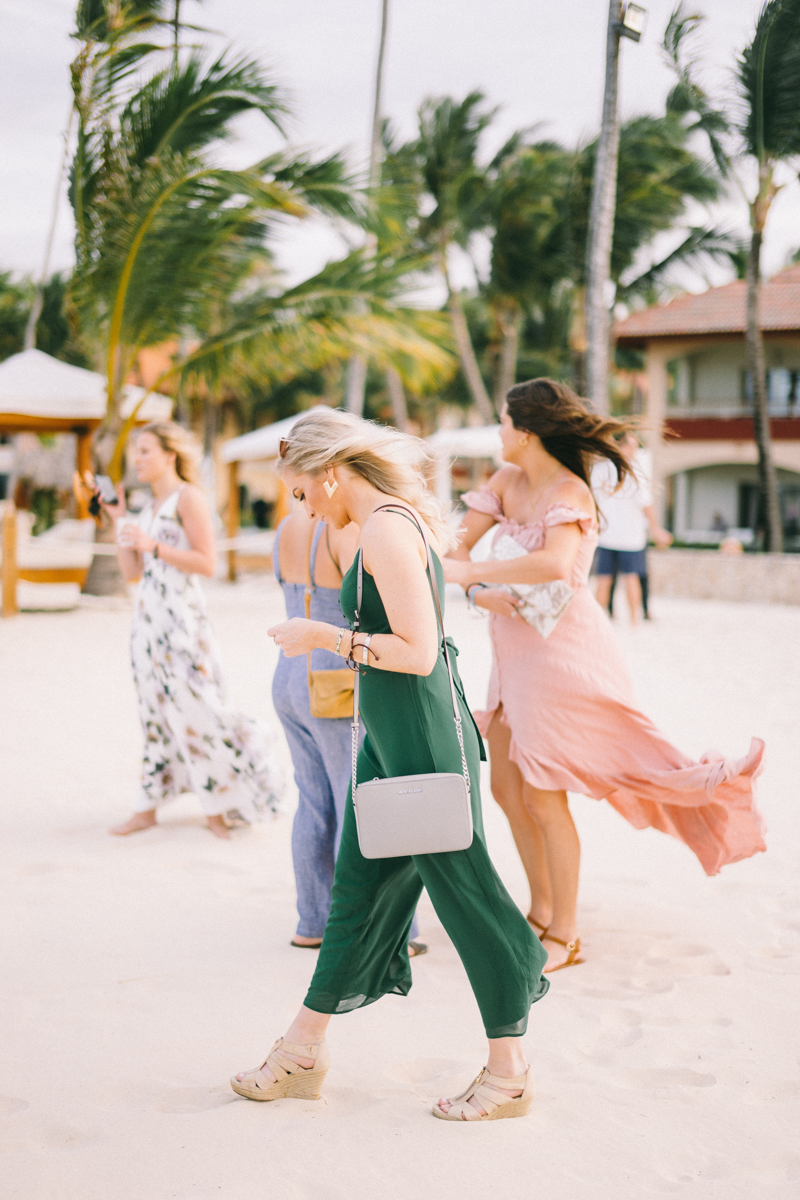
(342, 632)
(471, 590)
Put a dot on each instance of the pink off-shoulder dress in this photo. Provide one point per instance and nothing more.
(569, 704)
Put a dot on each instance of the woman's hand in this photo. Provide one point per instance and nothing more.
(115, 511)
(457, 571)
(497, 600)
(133, 537)
(298, 636)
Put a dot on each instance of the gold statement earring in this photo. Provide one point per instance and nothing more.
(330, 488)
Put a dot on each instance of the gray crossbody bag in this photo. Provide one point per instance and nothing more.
(412, 814)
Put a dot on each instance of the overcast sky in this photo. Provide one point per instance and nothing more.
(540, 60)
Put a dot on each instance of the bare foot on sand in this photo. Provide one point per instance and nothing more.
(138, 822)
(219, 828)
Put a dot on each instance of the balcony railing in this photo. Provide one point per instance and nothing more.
(729, 410)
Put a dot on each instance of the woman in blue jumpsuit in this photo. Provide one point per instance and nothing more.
(320, 750)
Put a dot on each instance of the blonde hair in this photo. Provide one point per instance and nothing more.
(393, 462)
(176, 440)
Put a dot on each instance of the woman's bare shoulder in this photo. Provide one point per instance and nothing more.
(192, 500)
(388, 532)
(296, 528)
(573, 492)
(504, 477)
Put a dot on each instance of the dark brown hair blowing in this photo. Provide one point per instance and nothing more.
(567, 427)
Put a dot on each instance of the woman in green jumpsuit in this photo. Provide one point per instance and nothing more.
(407, 711)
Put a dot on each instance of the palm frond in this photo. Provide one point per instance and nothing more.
(185, 110)
(769, 81)
(699, 245)
(688, 96)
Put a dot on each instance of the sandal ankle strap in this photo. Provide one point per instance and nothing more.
(307, 1050)
(575, 944)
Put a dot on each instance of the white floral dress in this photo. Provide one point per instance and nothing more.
(193, 742)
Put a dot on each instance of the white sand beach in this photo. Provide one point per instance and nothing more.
(138, 974)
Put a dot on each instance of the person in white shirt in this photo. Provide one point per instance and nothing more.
(627, 517)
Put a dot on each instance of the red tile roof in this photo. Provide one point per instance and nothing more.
(719, 310)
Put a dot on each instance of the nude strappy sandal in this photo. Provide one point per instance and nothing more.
(573, 950)
(302, 1083)
(495, 1103)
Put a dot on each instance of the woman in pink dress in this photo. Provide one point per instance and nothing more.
(561, 715)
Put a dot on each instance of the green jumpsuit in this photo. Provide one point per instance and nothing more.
(364, 954)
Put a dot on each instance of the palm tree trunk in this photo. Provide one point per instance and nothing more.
(755, 363)
(467, 359)
(601, 226)
(577, 340)
(394, 385)
(464, 348)
(508, 322)
(357, 367)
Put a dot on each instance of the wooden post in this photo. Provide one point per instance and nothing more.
(83, 462)
(9, 537)
(233, 515)
(283, 504)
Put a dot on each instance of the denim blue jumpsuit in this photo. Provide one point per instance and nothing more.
(320, 750)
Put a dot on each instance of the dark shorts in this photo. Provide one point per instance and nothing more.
(620, 562)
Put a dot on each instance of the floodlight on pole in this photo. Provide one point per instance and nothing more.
(632, 22)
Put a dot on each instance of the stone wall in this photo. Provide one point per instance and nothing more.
(711, 575)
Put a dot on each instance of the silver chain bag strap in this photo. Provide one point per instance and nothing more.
(412, 814)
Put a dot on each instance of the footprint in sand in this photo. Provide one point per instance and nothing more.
(48, 868)
(422, 1070)
(64, 1137)
(774, 961)
(772, 1091)
(603, 1048)
(626, 1018)
(10, 1105)
(206, 866)
(194, 1100)
(664, 1077)
(780, 1169)
(686, 958)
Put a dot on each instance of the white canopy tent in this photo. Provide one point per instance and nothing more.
(41, 394)
(36, 385)
(471, 441)
(262, 443)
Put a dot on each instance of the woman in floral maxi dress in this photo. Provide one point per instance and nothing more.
(193, 741)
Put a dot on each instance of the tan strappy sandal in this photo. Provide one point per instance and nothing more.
(496, 1104)
(303, 1083)
(535, 926)
(573, 950)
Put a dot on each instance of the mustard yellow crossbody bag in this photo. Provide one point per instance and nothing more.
(330, 693)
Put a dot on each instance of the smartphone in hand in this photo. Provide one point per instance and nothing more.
(106, 490)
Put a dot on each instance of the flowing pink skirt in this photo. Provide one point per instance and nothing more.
(568, 702)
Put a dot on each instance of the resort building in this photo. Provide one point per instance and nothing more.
(699, 408)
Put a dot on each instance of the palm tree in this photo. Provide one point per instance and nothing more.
(166, 240)
(446, 151)
(527, 260)
(768, 78)
(769, 83)
(538, 208)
